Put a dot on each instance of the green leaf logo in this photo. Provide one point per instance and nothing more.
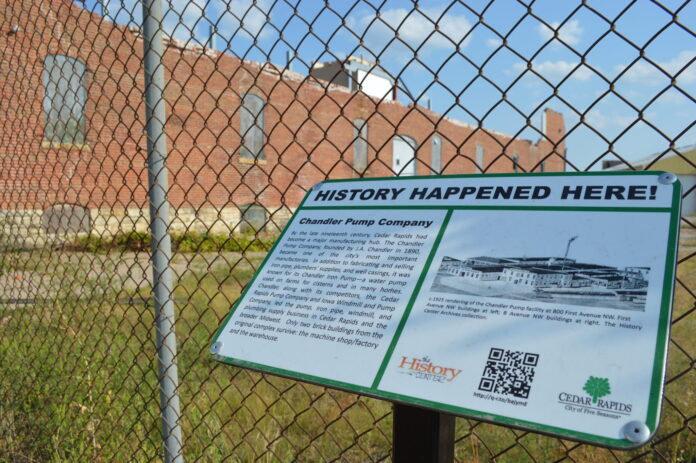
(597, 387)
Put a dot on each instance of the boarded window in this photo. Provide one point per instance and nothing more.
(65, 97)
(66, 218)
(251, 127)
(403, 155)
(253, 218)
(516, 162)
(436, 161)
(479, 158)
(359, 145)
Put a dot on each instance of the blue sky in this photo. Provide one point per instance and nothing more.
(479, 79)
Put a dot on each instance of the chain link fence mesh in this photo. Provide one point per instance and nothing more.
(264, 99)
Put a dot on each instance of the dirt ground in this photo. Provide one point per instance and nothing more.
(28, 277)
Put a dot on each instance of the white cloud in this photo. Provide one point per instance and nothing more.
(182, 17)
(122, 12)
(673, 97)
(415, 28)
(569, 33)
(682, 66)
(253, 16)
(556, 70)
(494, 43)
(598, 120)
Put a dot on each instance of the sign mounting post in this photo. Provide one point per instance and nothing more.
(422, 435)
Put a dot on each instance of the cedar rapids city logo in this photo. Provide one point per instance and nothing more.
(594, 403)
(423, 368)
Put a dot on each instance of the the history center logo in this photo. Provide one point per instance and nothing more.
(424, 368)
(594, 403)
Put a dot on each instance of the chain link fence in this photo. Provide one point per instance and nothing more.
(210, 119)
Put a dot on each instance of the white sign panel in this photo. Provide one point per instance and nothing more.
(536, 301)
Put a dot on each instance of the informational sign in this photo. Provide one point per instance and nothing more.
(540, 301)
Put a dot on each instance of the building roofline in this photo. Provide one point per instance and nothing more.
(655, 157)
(193, 47)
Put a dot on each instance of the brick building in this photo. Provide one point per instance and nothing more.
(239, 133)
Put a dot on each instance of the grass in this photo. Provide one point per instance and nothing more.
(78, 375)
(181, 241)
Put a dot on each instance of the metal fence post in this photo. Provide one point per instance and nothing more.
(159, 226)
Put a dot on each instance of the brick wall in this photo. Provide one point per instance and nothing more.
(308, 125)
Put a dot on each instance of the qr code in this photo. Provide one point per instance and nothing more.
(509, 372)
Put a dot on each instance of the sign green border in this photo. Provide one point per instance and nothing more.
(662, 340)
